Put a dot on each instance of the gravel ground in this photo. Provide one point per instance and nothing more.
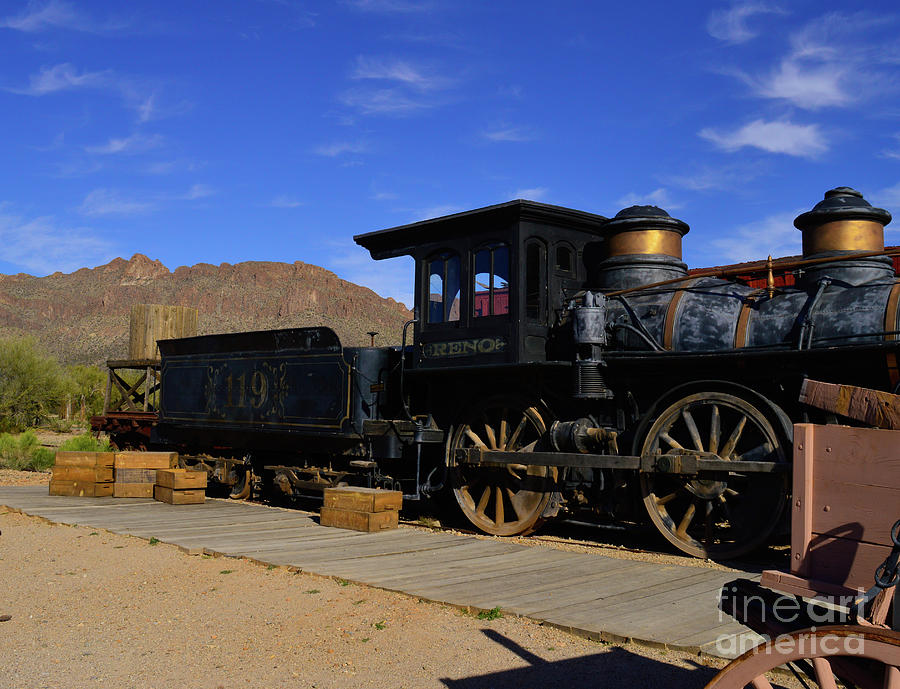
(92, 609)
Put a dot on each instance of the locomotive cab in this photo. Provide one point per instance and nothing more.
(492, 283)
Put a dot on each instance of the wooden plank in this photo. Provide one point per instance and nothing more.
(801, 505)
(181, 479)
(845, 562)
(178, 497)
(862, 456)
(146, 460)
(85, 489)
(358, 521)
(132, 490)
(363, 499)
(852, 510)
(67, 458)
(94, 474)
(874, 407)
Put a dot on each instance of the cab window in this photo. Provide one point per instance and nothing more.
(491, 282)
(443, 288)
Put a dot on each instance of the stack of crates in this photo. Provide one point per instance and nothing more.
(180, 486)
(136, 472)
(83, 474)
(361, 509)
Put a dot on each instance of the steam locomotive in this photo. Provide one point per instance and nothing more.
(559, 362)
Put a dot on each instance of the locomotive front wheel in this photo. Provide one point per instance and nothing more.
(501, 501)
(729, 514)
(854, 656)
(243, 482)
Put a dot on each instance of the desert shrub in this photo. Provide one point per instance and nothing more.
(87, 385)
(22, 452)
(32, 384)
(42, 459)
(58, 424)
(85, 443)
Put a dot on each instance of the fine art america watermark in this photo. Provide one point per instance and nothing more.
(785, 612)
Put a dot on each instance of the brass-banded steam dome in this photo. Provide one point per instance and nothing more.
(844, 221)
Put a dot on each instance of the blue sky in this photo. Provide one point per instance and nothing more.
(235, 130)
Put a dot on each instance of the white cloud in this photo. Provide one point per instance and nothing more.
(775, 235)
(385, 101)
(42, 246)
(285, 201)
(509, 133)
(56, 14)
(533, 194)
(136, 143)
(411, 87)
(658, 197)
(731, 25)
(400, 71)
(806, 141)
(833, 61)
(336, 149)
(62, 77)
(102, 202)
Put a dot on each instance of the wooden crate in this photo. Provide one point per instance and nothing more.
(181, 479)
(132, 490)
(82, 474)
(179, 497)
(363, 499)
(358, 520)
(146, 460)
(67, 458)
(845, 500)
(81, 489)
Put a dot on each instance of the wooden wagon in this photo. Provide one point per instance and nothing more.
(830, 621)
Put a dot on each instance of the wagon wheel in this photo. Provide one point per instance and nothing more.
(243, 482)
(502, 501)
(860, 657)
(726, 515)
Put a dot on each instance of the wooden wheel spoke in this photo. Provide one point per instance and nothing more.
(490, 435)
(513, 443)
(501, 441)
(733, 440)
(674, 444)
(515, 502)
(692, 429)
(483, 501)
(715, 429)
(824, 675)
(761, 683)
(499, 517)
(471, 435)
(686, 520)
(666, 498)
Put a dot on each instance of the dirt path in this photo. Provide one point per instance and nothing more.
(93, 609)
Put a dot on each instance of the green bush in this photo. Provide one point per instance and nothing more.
(85, 443)
(23, 452)
(87, 385)
(32, 384)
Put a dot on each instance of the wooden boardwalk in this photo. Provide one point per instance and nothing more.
(589, 594)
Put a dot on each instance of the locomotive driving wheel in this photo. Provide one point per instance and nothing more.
(508, 500)
(724, 515)
(854, 656)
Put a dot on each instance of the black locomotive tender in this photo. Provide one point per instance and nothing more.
(560, 363)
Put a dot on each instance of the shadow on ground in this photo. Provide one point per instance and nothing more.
(612, 668)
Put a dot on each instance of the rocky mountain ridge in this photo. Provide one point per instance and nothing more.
(82, 317)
